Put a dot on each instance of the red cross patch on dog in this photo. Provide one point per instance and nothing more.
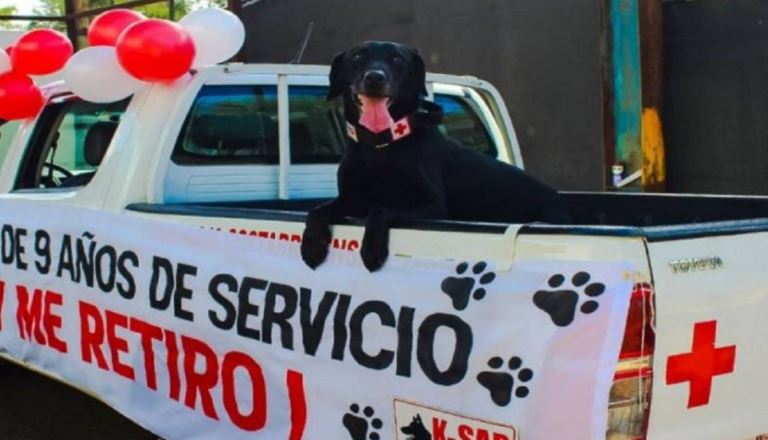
(401, 129)
(352, 132)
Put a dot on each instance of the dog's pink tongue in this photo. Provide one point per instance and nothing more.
(375, 114)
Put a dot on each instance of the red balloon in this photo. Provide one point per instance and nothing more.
(40, 52)
(107, 27)
(156, 50)
(20, 98)
(9, 49)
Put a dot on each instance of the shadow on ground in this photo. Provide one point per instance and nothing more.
(34, 407)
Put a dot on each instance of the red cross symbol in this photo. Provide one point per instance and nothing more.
(702, 364)
(401, 129)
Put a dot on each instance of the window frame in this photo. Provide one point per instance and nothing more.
(40, 142)
(181, 157)
(215, 181)
(471, 107)
(337, 127)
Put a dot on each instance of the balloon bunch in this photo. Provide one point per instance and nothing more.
(127, 51)
(37, 52)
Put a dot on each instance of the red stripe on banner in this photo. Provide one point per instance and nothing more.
(258, 416)
(200, 383)
(29, 314)
(148, 333)
(117, 344)
(2, 298)
(92, 335)
(173, 365)
(295, 381)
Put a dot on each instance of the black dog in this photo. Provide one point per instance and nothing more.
(416, 430)
(399, 166)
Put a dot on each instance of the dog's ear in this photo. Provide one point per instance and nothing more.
(336, 77)
(421, 72)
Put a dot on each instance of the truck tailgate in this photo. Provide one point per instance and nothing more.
(710, 358)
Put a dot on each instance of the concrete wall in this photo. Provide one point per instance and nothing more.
(716, 95)
(543, 55)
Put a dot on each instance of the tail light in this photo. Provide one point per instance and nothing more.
(630, 395)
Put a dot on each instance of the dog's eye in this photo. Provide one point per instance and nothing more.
(356, 58)
(397, 59)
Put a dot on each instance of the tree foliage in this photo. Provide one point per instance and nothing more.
(9, 10)
(155, 10)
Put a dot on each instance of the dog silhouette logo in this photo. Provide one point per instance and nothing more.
(416, 430)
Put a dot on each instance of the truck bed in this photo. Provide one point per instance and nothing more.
(655, 216)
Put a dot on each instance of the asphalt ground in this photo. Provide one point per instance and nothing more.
(34, 407)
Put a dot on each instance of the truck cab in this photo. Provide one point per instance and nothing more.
(224, 134)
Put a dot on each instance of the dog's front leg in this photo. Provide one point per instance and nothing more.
(317, 232)
(375, 248)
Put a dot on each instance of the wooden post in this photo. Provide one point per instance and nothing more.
(236, 7)
(70, 7)
(652, 57)
(609, 115)
(632, 98)
(627, 92)
(77, 24)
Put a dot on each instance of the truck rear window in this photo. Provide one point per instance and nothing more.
(230, 124)
(315, 126)
(233, 125)
(239, 124)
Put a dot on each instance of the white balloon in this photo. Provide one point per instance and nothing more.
(94, 74)
(218, 35)
(5, 62)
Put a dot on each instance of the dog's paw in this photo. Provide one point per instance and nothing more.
(374, 251)
(314, 245)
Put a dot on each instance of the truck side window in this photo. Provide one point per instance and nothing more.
(68, 143)
(315, 126)
(462, 123)
(230, 125)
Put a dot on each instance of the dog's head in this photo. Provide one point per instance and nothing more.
(416, 430)
(378, 75)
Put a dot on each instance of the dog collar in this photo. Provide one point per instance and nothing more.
(433, 115)
(396, 131)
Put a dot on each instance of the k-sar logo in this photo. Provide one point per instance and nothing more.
(418, 422)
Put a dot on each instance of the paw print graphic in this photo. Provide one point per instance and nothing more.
(362, 426)
(501, 384)
(460, 289)
(562, 301)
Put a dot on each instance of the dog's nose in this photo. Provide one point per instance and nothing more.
(375, 78)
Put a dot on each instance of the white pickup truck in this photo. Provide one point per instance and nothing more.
(248, 149)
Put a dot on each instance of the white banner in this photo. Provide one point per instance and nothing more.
(201, 334)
